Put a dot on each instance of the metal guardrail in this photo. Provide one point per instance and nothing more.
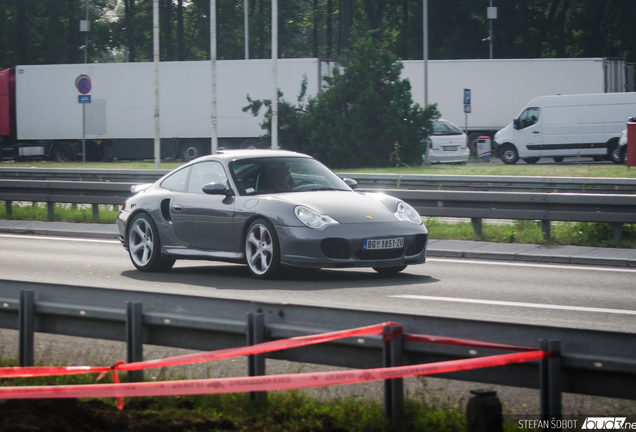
(546, 207)
(367, 181)
(593, 362)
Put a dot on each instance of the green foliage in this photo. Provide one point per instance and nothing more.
(365, 116)
(61, 213)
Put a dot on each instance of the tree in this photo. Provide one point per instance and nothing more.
(365, 117)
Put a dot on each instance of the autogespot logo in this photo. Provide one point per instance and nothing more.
(605, 423)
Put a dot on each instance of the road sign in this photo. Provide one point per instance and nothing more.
(83, 84)
(466, 108)
(467, 97)
(83, 99)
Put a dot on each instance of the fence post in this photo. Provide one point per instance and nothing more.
(477, 225)
(26, 325)
(617, 231)
(545, 229)
(134, 338)
(95, 211)
(393, 388)
(8, 208)
(50, 209)
(484, 412)
(550, 376)
(256, 363)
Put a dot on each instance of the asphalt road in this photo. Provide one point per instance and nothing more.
(547, 294)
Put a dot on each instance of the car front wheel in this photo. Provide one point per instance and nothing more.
(262, 251)
(509, 154)
(144, 246)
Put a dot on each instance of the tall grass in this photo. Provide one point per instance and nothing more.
(61, 212)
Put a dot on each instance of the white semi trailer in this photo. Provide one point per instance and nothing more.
(501, 88)
(120, 116)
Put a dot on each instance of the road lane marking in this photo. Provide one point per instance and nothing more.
(70, 239)
(535, 265)
(517, 304)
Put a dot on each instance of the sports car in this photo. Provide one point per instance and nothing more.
(270, 209)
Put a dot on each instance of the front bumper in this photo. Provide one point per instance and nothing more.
(340, 246)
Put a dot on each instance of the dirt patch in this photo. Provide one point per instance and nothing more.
(71, 415)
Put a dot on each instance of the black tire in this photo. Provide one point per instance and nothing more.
(558, 159)
(63, 152)
(624, 154)
(190, 151)
(144, 246)
(472, 143)
(531, 161)
(614, 153)
(262, 250)
(250, 144)
(389, 270)
(508, 154)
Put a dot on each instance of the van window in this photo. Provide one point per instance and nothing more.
(529, 117)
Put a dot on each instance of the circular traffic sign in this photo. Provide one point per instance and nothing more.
(83, 84)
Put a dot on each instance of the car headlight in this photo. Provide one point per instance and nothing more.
(407, 213)
(312, 218)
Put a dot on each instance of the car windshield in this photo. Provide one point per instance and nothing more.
(286, 174)
(445, 128)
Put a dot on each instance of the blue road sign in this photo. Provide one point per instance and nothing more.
(83, 84)
(467, 97)
(467, 108)
(83, 98)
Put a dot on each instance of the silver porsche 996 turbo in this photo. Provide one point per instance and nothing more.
(271, 210)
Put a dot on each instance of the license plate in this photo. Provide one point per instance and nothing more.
(393, 243)
(450, 148)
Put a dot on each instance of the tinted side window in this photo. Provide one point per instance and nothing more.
(529, 117)
(205, 173)
(177, 181)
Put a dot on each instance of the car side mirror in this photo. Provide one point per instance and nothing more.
(631, 119)
(350, 182)
(217, 189)
(515, 123)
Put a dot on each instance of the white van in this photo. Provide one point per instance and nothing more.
(588, 125)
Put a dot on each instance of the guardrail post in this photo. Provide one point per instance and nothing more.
(8, 206)
(50, 207)
(477, 225)
(550, 376)
(256, 362)
(134, 338)
(484, 412)
(617, 231)
(545, 229)
(95, 211)
(26, 325)
(393, 388)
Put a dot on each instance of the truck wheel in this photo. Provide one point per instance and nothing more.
(531, 161)
(63, 152)
(508, 154)
(623, 154)
(558, 159)
(615, 153)
(250, 144)
(190, 151)
(472, 143)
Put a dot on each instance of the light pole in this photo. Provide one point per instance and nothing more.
(491, 13)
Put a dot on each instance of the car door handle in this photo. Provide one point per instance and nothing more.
(177, 208)
(536, 132)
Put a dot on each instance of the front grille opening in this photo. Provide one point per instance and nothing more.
(382, 254)
(417, 245)
(336, 248)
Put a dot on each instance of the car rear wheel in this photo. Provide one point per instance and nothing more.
(389, 270)
(531, 161)
(615, 154)
(558, 159)
(262, 251)
(144, 246)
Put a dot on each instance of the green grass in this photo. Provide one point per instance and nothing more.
(529, 232)
(61, 213)
(476, 167)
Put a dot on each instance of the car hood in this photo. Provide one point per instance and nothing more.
(346, 207)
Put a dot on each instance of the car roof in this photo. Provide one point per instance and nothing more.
(253, 153)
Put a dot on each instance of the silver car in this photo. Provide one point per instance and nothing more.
(268, 209)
